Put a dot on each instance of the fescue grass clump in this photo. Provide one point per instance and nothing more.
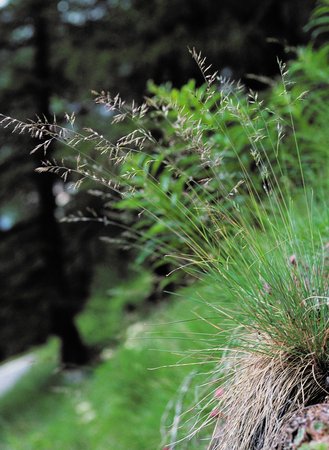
(279, 357)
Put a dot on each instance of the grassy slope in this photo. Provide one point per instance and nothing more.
(120, 403)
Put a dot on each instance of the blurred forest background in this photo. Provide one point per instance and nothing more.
(60, 278)
(53, 54)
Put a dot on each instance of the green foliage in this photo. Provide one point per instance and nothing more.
(210, 141)
(308, 80)
(120, 403)
(314, 446)
(319, 22)
(104, 319)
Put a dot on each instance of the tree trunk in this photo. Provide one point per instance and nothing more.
(74, 351)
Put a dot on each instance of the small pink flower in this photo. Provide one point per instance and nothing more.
(215, 412)
(293, 260)
(219, 392)
(267, 288)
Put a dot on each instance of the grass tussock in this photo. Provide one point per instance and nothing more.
(262, 394)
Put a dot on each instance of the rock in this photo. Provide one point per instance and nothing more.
(307, 429)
